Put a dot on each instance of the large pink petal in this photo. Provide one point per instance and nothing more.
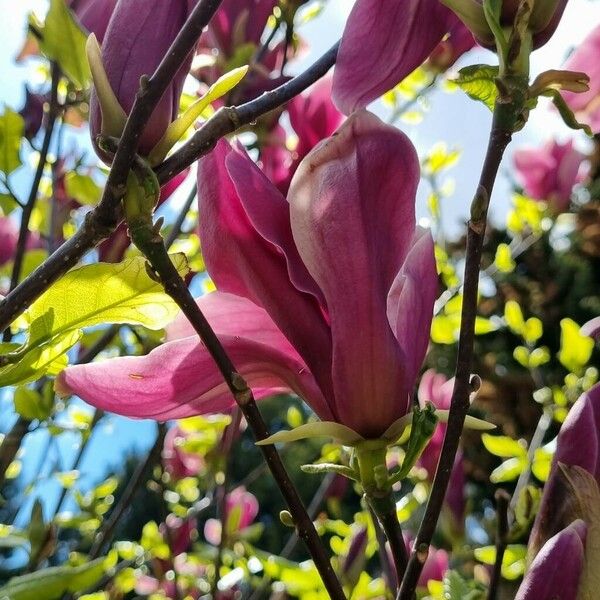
(410, 301)
(384, 41)
(352, 210)
(180, 379)
(249, 251)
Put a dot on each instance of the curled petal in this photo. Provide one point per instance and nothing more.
(180, 379)
(410, 302)
(352, 206)
(556, 570)
(259, 259)
(384, 41)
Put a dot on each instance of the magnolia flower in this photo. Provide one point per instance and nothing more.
(329, 295)
(437, 389)
(32, 113)
(176, 461)
(241, 508)
(385, 40)
(313, 117)
(565, 539)
(550, 172)
(458, 41)
(138, 37)
(586, 106)
(9, 236)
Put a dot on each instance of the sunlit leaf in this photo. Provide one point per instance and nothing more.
(575, 348)
(479, 83)
(509, 470)
(504, 261)
(11, 132)
(82, 188)
(63, 40)
(502, 446)
(31, 404)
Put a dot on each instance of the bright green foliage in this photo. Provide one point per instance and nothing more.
(513, 561)
(82, 188)
(505, 447)
(153, 541)
(53, 582)
(575, 348)
(32, 404)
(63, 40)
(504, 261)
(11, 132)
(478, 82)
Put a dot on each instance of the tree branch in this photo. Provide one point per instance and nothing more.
(502, 500)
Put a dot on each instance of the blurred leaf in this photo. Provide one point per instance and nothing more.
(533, 330)
(67, 479)
(514, 317)
(513, 561)
(52, 583)
(527, 505)
(31, 405)
(502, 446)
(32, 259)
(479, 83)
(14, 469)
(82, 188)
(37, 530)
(11, 132)
(504, 261)
(538, 357)
(456, 588)
(439, 158)
(152, 541)
(509, 470)
(63, 40)
(575, 348)
(542, 460)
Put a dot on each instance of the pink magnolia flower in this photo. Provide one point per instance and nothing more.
(437, 389)
(32, 113)
(329, 294)
(241, 508)
(385, 40)
(313, 118)
(550, 172)
(176, 461)
(9, 236)
(138, 37)
(556, 570)
(94, 15)
(436, 564)
(564, 539)
(586, 106)
(179, 533)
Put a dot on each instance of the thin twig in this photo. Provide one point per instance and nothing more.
(151, 245)
(386, 567)
(97, 226)
(502, 499)
(500, 136)
(137, 479)
(21, 248)
(11, 444)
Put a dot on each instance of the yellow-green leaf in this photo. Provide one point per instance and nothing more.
(514, 317)
(503, 446)
(31, 404)
(63, 40)
(509, 470)
(82, 188)
(479, 83)
(575, 348)
(11, 132)
(504, 261)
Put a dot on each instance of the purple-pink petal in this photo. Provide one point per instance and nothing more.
(384, 41)
(259, 260)
(556, 570)
(352, 211)
(179, 378)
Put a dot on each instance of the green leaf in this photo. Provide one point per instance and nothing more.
(153, 541)
(102, 293)
(575, 348)
(479, 83)
(502, 446)
(82, 188)
(542, 460)
(513, 561)
(510, 469)
(52, 583)
(532, 330)
(31, 404)
(513, 315)
(63, 40)
(504, 261)
(36, 361)
(31, 261)
(37, 530)
(11, 133)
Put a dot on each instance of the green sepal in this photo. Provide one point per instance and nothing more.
(177, 129)
(321, 468)
(337, 431)
(423, 425)
(565, 112)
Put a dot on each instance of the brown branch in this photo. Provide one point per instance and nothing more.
(502, 500)
(506, 112)
(98, 225)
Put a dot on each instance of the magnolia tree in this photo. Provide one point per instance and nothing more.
(416, 437)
